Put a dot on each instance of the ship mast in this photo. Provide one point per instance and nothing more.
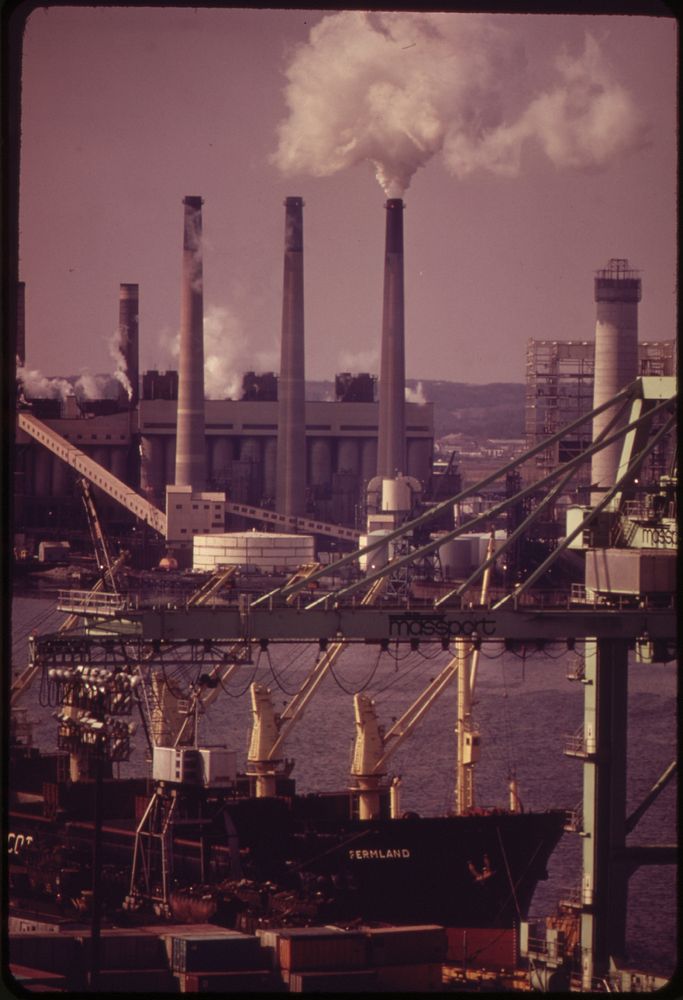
(467, 733)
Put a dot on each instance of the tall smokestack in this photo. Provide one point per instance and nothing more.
(617, 294)
(291, 441)
(391, 448)
(21, 324)
(190, 459)
(129, 305)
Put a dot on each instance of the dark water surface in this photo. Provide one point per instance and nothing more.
(524, 706)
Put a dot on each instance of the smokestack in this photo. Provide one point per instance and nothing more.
(291, 441)
(617, 294)
(21, 324)
(129, 304)
(190, 461)
(391, 457)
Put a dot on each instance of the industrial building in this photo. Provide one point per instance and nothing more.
(271, 449)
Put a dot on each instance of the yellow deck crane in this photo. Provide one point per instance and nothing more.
(269, 729)
(373, 746)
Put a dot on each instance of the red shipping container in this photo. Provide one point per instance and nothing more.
(423, 977)
(483, 947)
(242, 981)
(334, 981)
(308, 948)
(407, 945)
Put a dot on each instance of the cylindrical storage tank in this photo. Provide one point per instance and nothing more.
(348, 456)
(574, 517)
(260, 551)
(152, 466)
(368, 459)
(617, 294)
(457, 557)
(60, 477)
(320, 462)
(379, 556)
(170, 443)
(269, 466)
(221, 459)
(396, 494)
(251, 450)
(419, 458)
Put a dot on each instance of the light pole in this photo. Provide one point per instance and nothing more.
(93, 699)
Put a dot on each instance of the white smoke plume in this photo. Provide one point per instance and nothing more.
(228, 354)
(415, 395)
(359, 361)
(395, 88)
(89, 386)
(120, 370)
(39, 386)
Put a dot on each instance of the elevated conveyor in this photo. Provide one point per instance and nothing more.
(93, 472)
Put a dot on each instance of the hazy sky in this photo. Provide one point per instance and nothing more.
(533, 147)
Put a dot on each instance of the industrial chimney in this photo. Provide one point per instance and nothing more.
(617, 294)
(190, 460)
(391, 447)
(128, 339)
(291, 441)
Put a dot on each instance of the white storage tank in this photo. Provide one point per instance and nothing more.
(376, 559)
(457, 556)
(575, 515)
(263, 551)
(396, 494)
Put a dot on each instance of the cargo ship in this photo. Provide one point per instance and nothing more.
(288, 858)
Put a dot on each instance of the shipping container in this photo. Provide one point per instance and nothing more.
(241, 981)
(136, 981)
(125, 949)
(484, 948)
(28, 977)
(423, 977)
(306, 948)
(406, 945)
(52, 952)
(334, 981)
(218, 953)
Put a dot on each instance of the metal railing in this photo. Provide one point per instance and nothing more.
(99, 603)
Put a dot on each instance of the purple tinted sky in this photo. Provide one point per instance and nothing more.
(127, 110)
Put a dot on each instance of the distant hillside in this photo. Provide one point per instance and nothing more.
(495, 410)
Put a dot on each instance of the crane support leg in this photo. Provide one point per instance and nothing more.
(605, 873)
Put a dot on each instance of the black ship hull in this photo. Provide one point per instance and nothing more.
(477, 870)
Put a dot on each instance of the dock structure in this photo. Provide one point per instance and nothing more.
(607, 619)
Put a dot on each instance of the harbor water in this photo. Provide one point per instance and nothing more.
(525, 707)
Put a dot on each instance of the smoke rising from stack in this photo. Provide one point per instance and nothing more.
(228, 354)
(394, 89)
